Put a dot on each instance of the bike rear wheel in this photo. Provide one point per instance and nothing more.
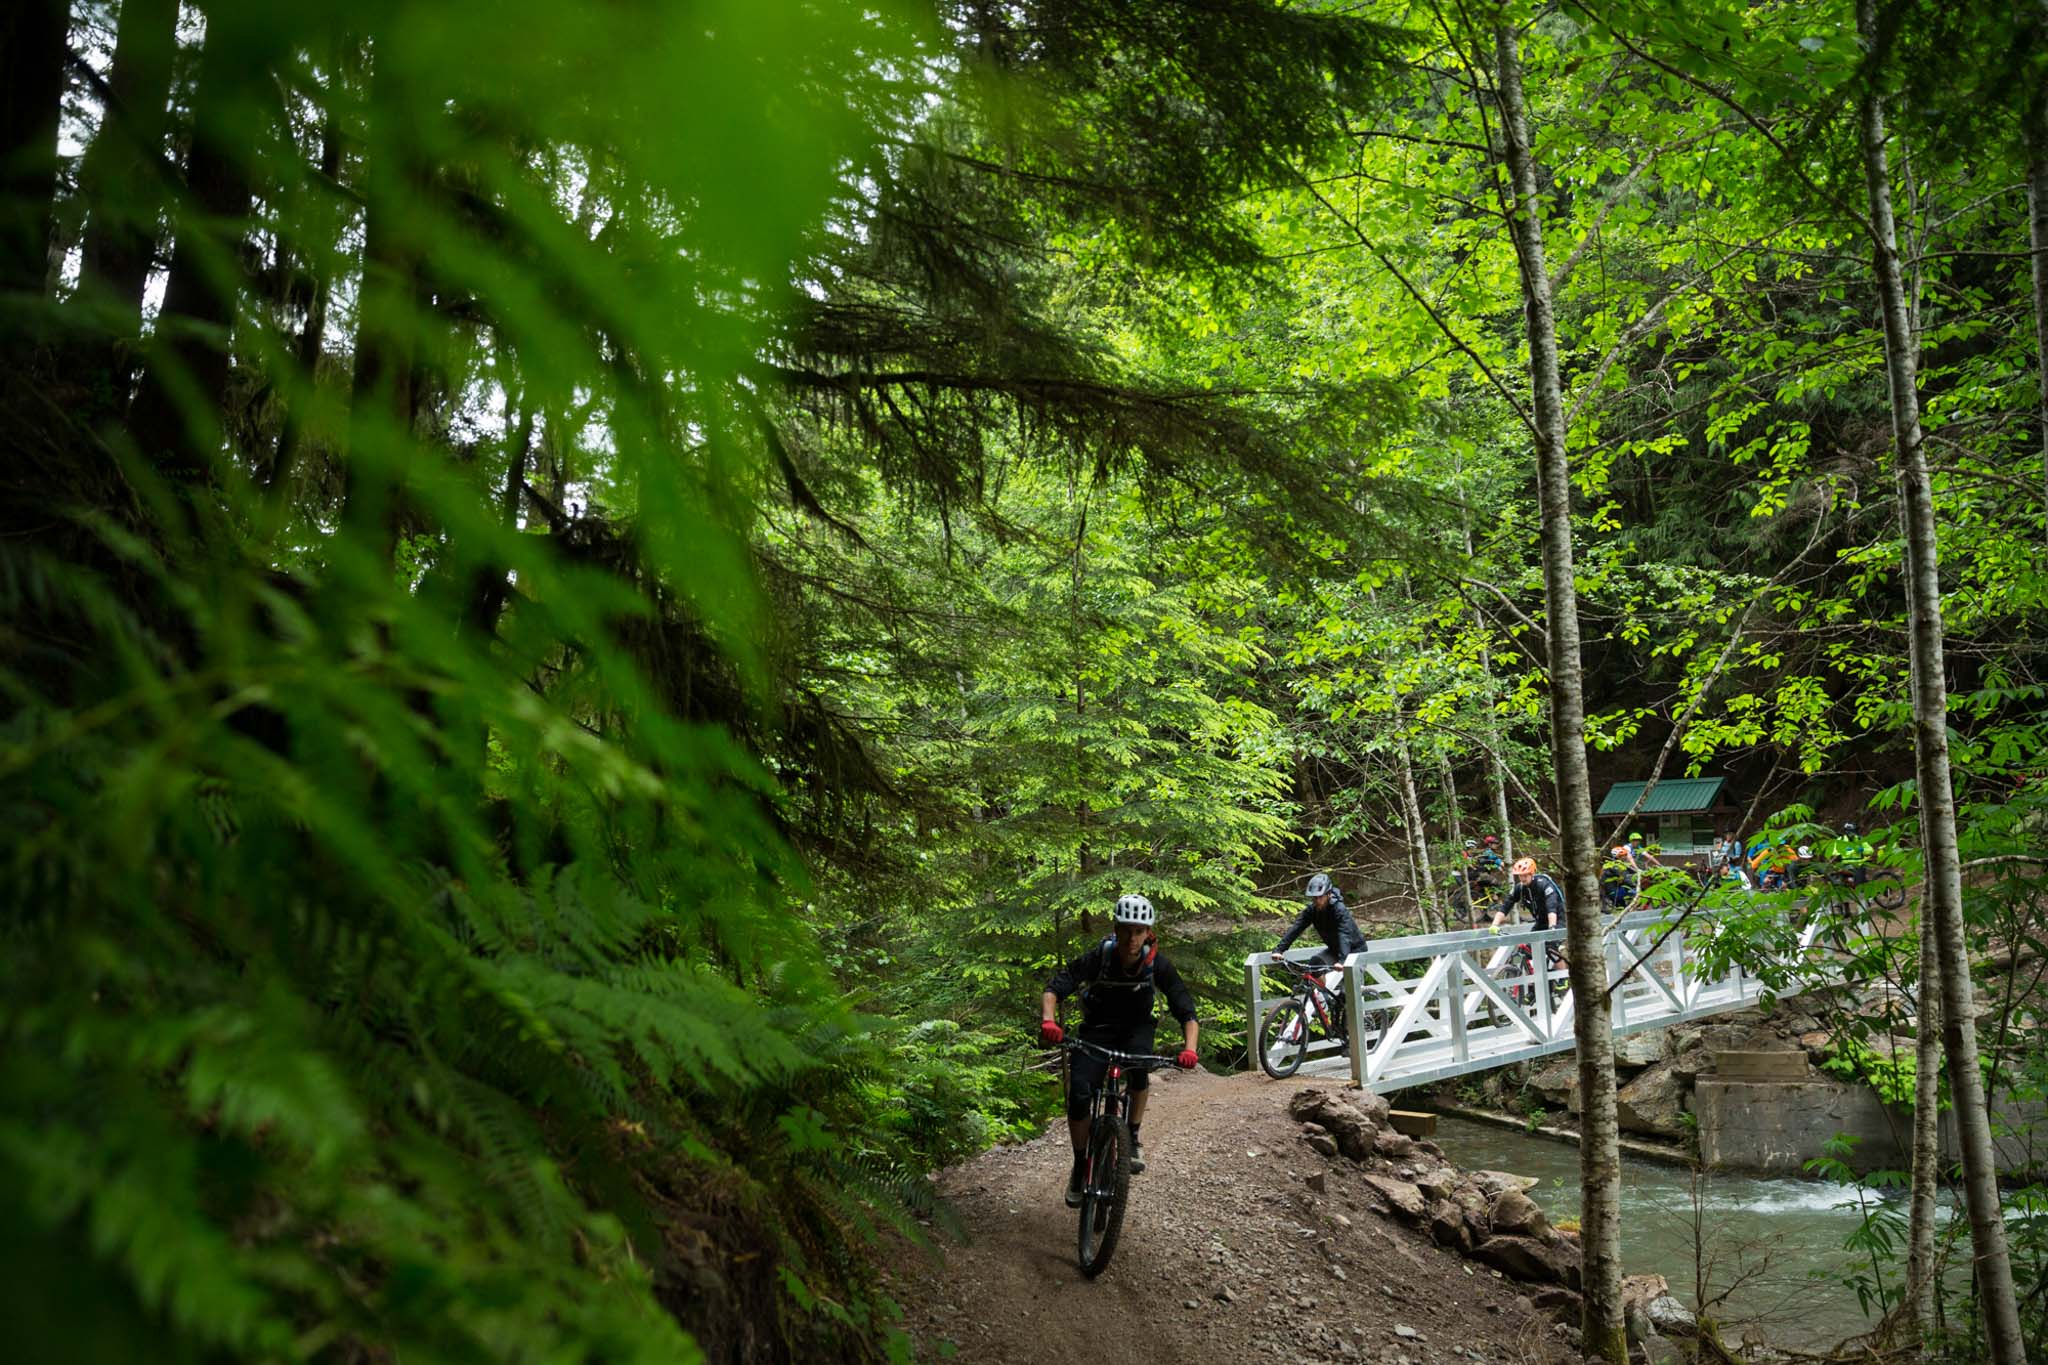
(1283, 1040)
(1888, 894)
(1102, 1196)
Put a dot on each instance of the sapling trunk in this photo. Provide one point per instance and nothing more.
(1942, 887)
(1605, 1336)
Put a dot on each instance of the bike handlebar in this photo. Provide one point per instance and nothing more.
(1107, 1054)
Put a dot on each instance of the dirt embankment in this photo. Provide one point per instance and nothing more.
(1228, 1254)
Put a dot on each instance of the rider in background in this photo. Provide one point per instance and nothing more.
(1537, 891)
(1331, 919)
(1490, 873)
(1771, 860)
(1118, 979)
(1854, 853)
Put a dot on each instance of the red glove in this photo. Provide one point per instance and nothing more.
(1050, 1034)
(1187, 1059)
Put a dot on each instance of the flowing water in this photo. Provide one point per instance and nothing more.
(1773, 1245)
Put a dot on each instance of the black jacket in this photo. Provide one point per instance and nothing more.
(1333, 924)
(1545, 902)
(1117, 1004)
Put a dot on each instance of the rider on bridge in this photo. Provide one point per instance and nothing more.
(1332, 920)
(1537, 891)
(1118, 979)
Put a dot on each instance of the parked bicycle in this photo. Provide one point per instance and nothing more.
(1312, 1013)
(1107, 1181)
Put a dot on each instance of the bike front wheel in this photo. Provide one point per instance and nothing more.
(1102, 1196)
(1283, 1039)
(1888, 895)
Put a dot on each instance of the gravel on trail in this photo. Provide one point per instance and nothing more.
(1227, 1256)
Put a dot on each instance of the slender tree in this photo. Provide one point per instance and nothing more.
(31, 89)
(1605, 1336)
(1926, 1177)
(180, 408)
(1943, 886)
(125, 170)
(2034, 122)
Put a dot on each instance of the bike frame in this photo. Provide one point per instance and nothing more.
(1311, 990)
(1112, 1099)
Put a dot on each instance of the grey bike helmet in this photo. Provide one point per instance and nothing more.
(1135, 909)
(1848, 827)
(1319, 885)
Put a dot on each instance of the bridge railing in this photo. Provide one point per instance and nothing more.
(1430, 1006)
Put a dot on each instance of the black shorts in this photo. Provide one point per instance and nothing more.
(1085, 1072)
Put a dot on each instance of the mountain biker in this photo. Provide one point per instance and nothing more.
(1493, 870)
(1854, 853)
(1332, 920)
(1333, 924)
(1619, 877)
(1118, 979)
(1772, 862)
(1537, 891)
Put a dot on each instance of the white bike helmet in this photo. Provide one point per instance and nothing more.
(1135, 909)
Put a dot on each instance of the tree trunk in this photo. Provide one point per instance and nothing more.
(1496, 777)
(490, 587)
(178, 409)
(1418, 838)
(1926, 1139)
(32, 34)
(291, 435)
(1942, 891)
(2036, 124)
(382, 391)
(1457, 884)
(122, 175)
(1605, 1337)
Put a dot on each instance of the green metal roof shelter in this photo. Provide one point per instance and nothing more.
(1672, 796)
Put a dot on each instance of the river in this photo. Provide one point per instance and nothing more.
(1760, 1240)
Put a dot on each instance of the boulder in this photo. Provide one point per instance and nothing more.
(1344, 1117)
(1640, 1049)
(1816, 1042)
(1491, 1183)
(1559, 1303)
(1391, 1144)
(1323, 1143)
(1438, 1183)
(1447, 1226)
(1374, 1107)
(1404, 1198)
(1638, 1290)
(1556, 1083)
(1653, 1103)
(1515, 1214)
(1522, 1258)
(1672, 1318)
(1569, 1261)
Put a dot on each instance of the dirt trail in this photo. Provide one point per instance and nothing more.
(1223, 1220)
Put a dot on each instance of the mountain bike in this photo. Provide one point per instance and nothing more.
(1107, 1181)
(1880, 887)
(1519, 972)
(1312, 1013)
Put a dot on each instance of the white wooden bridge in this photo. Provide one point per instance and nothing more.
(1432, 1006)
